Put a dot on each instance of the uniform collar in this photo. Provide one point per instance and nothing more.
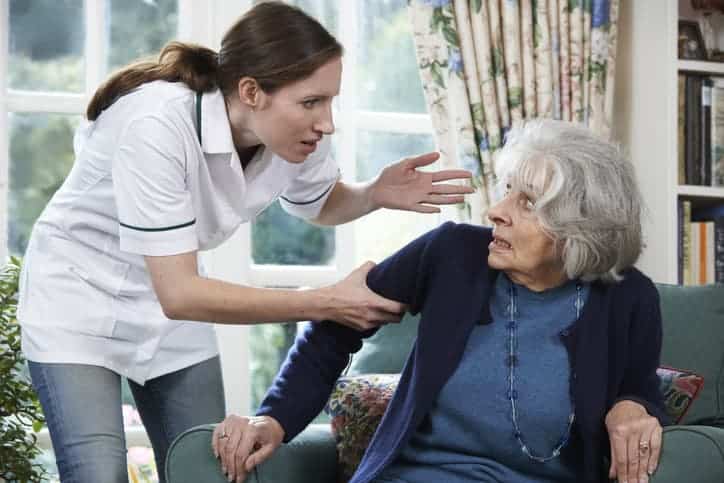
(215, 129)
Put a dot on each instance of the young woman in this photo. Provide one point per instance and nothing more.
(176, 155)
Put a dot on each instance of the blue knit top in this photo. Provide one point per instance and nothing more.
(468, 435)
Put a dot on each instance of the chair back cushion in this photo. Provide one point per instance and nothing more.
(387, 350)
(693, 319)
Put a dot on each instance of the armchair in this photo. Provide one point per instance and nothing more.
(692, 451)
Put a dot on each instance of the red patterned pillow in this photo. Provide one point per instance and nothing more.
(679, 388)
(356, 407)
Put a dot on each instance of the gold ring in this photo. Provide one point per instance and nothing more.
(643, 447)
(223, 434)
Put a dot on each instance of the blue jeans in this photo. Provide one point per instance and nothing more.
(82, 406)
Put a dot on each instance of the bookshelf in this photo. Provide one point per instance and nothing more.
(646, 123)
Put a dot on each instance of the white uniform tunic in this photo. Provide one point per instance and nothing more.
(142, 184)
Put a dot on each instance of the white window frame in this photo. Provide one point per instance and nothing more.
(205, 23)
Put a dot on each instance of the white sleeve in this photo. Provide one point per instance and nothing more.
(155, 209)
(308, 192)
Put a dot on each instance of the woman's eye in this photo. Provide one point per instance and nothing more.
(309, 104)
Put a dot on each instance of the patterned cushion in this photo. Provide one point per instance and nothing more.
(356, 407)
(357, 404)
(679, 388)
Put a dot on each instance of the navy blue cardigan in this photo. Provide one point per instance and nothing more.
(613, 348)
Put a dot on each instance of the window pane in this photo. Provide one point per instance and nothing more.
(388, 79)
(46, 45)
(281, 239)
(140, 28)
(268, 346)
(325, 11)
(41, 155)
(383, 232)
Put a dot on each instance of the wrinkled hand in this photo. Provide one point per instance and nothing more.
(401, 186)
(635, 442)
(350, 302)
(241, 443)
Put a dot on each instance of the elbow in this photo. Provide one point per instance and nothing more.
(174, 306)
(173, 310)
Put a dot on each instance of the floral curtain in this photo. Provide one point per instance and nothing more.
(487, 63)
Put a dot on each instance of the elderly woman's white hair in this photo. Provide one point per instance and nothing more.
(586, 194)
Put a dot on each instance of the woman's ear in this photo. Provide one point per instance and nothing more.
(249, 92)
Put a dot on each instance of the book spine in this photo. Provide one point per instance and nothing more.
(706, 86)
(710, 253)
(695, 254)
(719, 249)
(686, 242)
(681, 131)
(717, 134)
(680, 243)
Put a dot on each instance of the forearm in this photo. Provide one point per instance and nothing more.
(347, 202)
(209, 300)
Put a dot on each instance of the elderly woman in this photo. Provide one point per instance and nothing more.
(538, 341)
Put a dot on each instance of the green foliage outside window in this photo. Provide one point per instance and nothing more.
(20, 413)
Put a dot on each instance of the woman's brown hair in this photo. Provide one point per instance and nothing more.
(274, 43)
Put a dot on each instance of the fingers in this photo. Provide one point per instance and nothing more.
(619, 456)
(656, 438)
(243, 452)
(419, 208)
(612, 467)
(444, 199)
(632, 447)
(258, 457)
(451, 189)
(449, 174)
(423, 160)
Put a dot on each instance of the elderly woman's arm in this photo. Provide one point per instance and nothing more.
(313, 364)
(634, 421)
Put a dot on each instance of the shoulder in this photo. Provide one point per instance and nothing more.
(459, 246)
(633, 296)
(635, 284)
(463, 235)
(168, 104)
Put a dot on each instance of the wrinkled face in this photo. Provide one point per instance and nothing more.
(520, 246)
(292, 120)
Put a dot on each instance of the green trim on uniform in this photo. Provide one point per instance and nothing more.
(310, 201)
(198, 114)
(165, 228)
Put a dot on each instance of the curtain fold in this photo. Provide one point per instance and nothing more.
(485, 64)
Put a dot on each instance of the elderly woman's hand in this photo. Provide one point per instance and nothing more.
(241, 443)
(635, 442)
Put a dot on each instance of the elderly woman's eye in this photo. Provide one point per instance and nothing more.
(527, 203)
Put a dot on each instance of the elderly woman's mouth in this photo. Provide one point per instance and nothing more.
(500, 244)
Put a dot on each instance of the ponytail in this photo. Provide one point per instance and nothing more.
(194, 65)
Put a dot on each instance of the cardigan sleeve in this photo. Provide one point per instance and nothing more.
(321, 351)
(641, 383)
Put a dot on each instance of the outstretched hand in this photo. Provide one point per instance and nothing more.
(401, 186)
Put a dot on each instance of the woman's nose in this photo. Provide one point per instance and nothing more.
(498, 214)
(325, 124)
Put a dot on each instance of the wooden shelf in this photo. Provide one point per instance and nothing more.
(701, 66)
(701, 191)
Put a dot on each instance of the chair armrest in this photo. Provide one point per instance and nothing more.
(311, 457)
(691, 453)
